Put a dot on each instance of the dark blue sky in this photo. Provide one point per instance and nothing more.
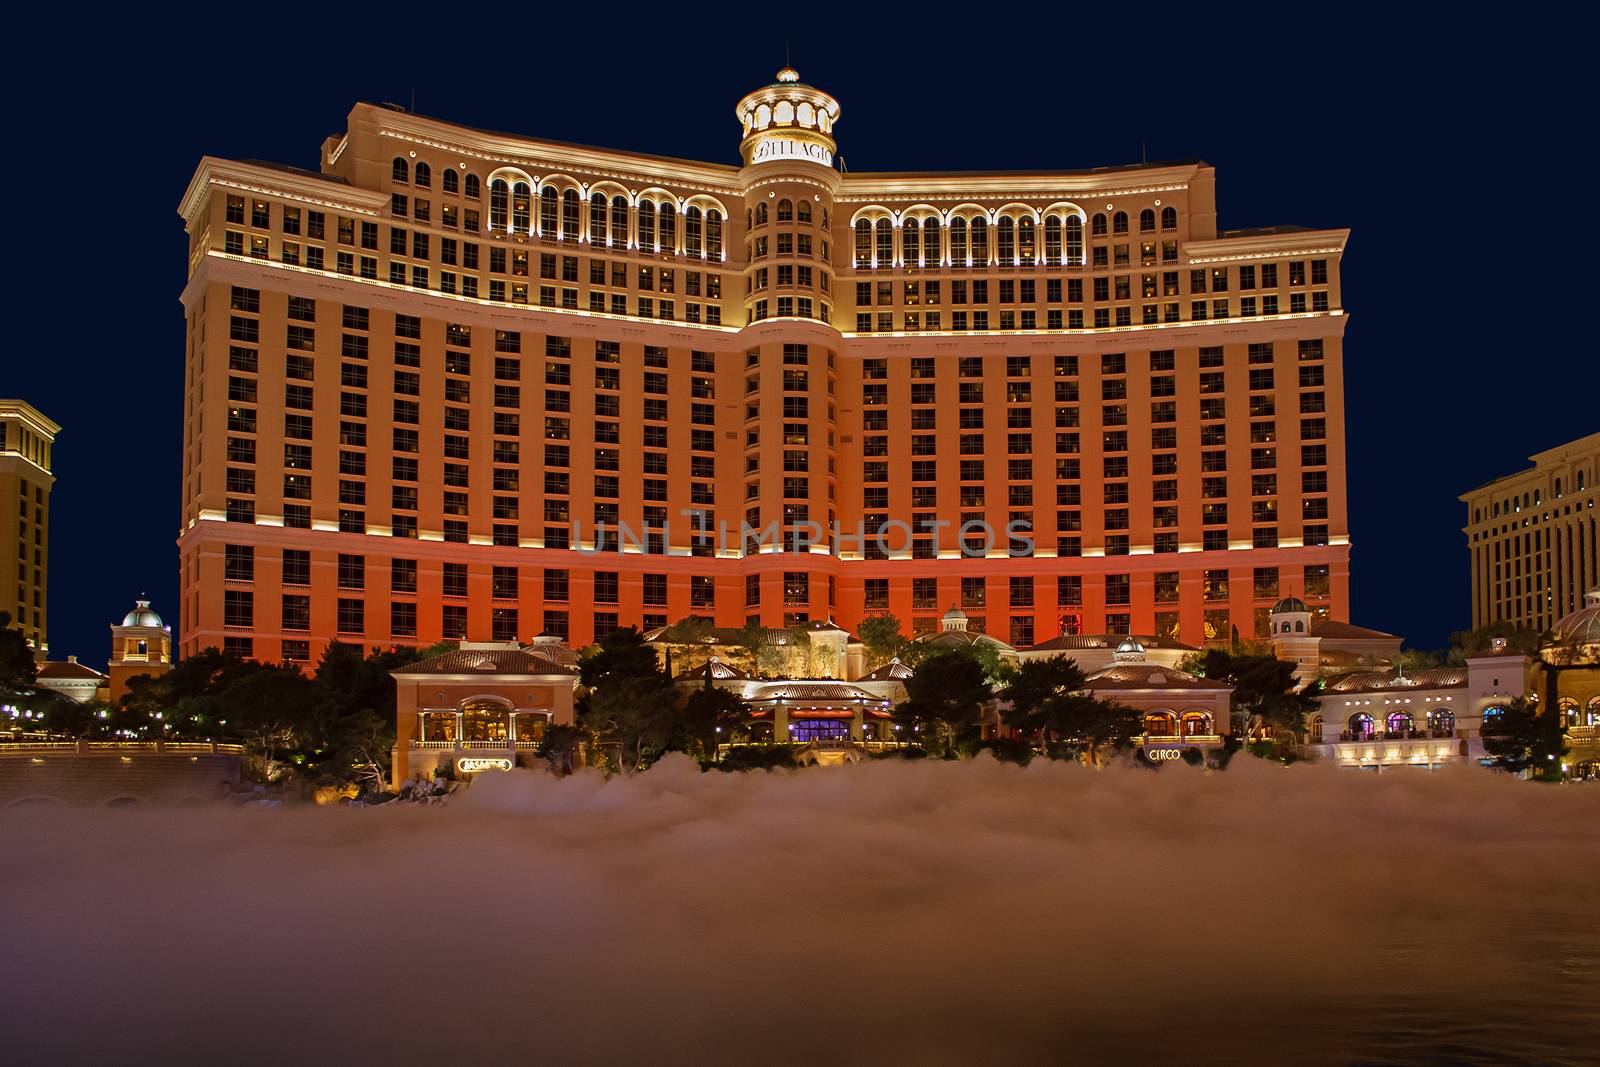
(1451, 150)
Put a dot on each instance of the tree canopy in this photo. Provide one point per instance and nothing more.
(17, 667)
(1264, 688)
(1046, 698)
(1520, 737)
(944, 698)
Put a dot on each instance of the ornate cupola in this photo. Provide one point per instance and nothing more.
(788, 120)
(1129, 651)
(954, 620)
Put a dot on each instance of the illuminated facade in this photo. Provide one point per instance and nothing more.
(1532, 537)
(424, 384)
(26, 438)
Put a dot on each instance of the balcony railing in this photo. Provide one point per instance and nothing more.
(1433, 733)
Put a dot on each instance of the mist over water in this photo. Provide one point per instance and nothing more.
(925, 913)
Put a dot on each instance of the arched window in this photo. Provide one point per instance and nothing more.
(1097, 227)
(1161, 724)
(619, 222)
(401, 171)
(1074, 240)
(668, 216)
(472, 187)
(1169, 218)
(1147, 220)
(450, 181)
(1025, 249)
(692, 230)
(483, 721)
(1491, 718)
(803, 211)
(1362, 727)
(978, 240)
(1591, 714)
(549, 212)
(597, 219)
(1567, 711)
(761, 214)
(1299, 626)
(885, 243)
(910, 242)
(1119, 222)
(863, 243)
(647, 226)
(422, 177)
(499, 204)
(932, 254)
(1196, 724)
(1399, 722)
(786, 210)
(521, 208)
(958, 242)
(1052, 241)
(1442, 722)
(1005, 240)
(571, 216)
(714, 234)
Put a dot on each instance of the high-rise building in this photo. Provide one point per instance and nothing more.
(1532, 535)
(26, 438)
(424, 384)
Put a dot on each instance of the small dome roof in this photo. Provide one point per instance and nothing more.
(1289, 604)
(1130, 644)
(141, 615)
(955, 613)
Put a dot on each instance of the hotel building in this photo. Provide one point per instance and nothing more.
(426, 382)
(26, 438)
(1532, 537)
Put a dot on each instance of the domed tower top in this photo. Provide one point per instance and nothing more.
(788, 120)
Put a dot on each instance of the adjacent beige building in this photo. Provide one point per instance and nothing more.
(1532, 538)
(26, 438)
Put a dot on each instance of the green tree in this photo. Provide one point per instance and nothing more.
(881, 637)
(630, 701)
(944, 698)
(709, 716)
(17, 667)
(1264, 689)
(1523, 738)
(560, 745)
(1466, 643)
(1033, 696)
(1087, 725)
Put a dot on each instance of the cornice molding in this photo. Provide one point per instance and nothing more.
(269, 181)
(911, 187)
(545, 155)
(1257, 246)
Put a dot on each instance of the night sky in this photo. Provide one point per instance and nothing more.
(1450, 151)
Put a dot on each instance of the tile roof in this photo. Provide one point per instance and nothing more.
(67, 671)
(1335, 629)
(1075, 642)
(487, 662)
(1386, 681)
(1149, 676)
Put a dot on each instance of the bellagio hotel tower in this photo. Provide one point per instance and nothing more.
(459, 384)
